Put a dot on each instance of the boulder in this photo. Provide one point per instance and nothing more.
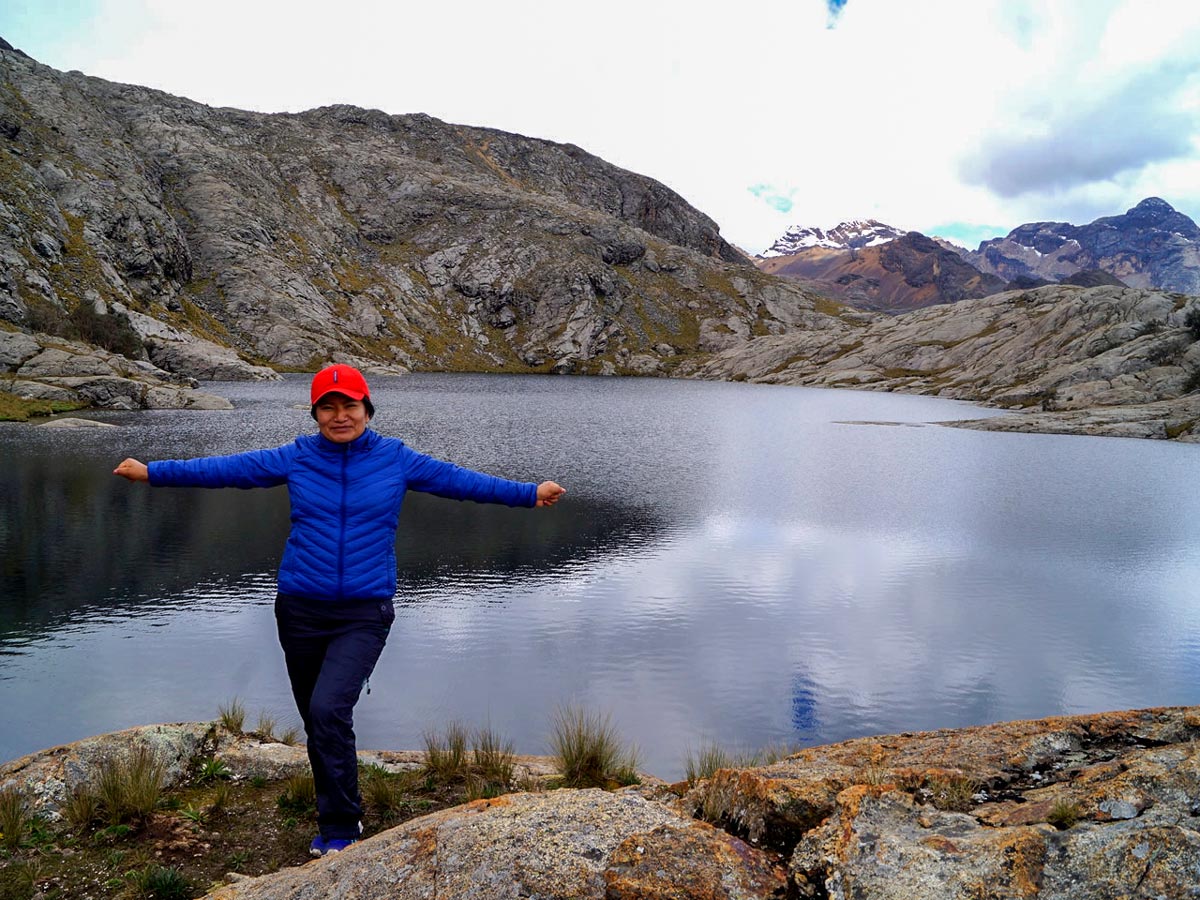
(576, 844)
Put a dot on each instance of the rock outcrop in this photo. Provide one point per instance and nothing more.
(42, 367)
(397, 240)
(576, 844)
(1090, 360)
(1102, 806)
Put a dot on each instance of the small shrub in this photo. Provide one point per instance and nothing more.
(1191, 322)
(258, 781)
(130, 787)
(232, 716)
(590, 753)
(112, 331)
(299, 794)
(16, 818)
(1064, 814)
(160, 883)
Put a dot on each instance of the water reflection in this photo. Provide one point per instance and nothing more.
(730, 563)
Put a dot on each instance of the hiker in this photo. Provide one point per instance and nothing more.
(338, 575)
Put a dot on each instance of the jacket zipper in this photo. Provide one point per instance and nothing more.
(341, 594)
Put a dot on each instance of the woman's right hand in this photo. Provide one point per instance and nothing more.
(133, 470)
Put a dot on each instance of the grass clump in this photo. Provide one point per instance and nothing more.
(954, 793)
(160, 883)
(16, 818)
(232, 716)
(486, 770)
(299, 794)
(266, 726)
(446, 753)
(1064, 814)
(590, 753)
(82, 808)
(129, 787)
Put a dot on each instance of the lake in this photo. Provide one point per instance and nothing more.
(737, 563)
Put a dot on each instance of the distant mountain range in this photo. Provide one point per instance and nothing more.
(875, 266)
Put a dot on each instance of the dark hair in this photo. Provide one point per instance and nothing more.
(366, 401)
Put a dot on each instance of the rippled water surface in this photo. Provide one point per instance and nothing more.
(747, 564)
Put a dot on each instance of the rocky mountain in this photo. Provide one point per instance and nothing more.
(846, 236)
(1087, 360)
(1150, 246)
(132, 218)
(892, 275)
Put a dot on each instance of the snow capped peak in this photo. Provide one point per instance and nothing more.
(854, 234)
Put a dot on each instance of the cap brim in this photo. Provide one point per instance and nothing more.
(353, 395)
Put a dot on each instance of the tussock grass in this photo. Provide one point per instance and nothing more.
(486, 770)
(953, 792)
(1064, 814)
(589, 751)
(446, 753)
(493, 757)
(704, 762)
(82, 808)
(299, 794)
(16, 818)
(232, 716)
(265, 728)
(129, 787)
(291, 736)
(159, 883)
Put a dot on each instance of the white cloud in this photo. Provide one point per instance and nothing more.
(875, 117)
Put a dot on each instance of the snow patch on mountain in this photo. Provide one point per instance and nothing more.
(852, 235)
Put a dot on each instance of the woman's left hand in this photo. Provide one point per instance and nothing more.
(548, 493)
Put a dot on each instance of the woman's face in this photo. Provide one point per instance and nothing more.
(341, 419)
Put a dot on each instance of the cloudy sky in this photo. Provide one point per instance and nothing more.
(962, 118)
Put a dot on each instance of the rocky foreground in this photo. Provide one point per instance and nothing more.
(1098, 806)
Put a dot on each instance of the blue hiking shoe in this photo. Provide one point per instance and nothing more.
(322, 846)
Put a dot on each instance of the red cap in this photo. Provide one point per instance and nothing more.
(340, 379)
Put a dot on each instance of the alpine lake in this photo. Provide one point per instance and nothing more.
(737, 564)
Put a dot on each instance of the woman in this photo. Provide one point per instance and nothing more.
(338, 574)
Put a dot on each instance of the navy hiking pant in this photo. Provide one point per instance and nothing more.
(331, 647)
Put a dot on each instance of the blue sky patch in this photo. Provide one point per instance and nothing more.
(967, 233)
(774, 197)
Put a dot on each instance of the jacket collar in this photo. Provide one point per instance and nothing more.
(361, 444)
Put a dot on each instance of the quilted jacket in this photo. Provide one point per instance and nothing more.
(345, 504)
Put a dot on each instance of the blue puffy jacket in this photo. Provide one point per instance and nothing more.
(345, 504)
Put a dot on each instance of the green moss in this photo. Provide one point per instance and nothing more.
(17, 409)
(1175, 429)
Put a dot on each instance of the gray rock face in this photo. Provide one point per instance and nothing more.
(1081, 358)
(1101, 806)
(562, 844)
(400, 240)
(38, 367)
